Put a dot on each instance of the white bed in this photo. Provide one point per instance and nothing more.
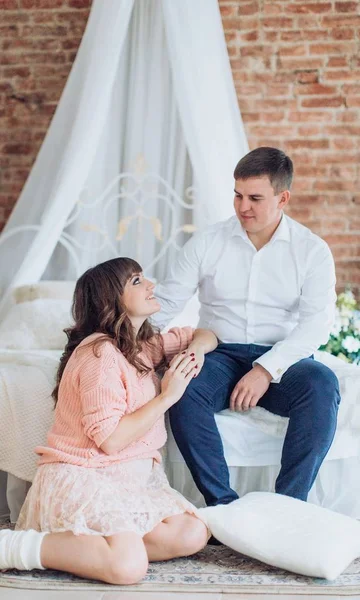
(252, 441)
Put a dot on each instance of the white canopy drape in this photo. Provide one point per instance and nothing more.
(150, 79)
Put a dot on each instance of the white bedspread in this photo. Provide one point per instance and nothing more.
(26, 407)
(250, 439)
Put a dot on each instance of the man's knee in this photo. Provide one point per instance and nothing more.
(324, 382)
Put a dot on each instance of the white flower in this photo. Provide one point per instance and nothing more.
(345, 322)
(357, 325)
(351, 344)
(347, 297)
(336, 328)
(345, 311)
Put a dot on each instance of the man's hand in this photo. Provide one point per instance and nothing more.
(248, 391)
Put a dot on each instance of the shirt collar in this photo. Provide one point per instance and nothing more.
(281, 233)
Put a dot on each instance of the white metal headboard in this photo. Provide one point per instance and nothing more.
(138, 187)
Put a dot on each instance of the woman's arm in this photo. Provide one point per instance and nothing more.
(133, 426)
(204, 341)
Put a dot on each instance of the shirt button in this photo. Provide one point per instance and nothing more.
(279, 371)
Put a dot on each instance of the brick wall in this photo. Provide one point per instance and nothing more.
(296, 68)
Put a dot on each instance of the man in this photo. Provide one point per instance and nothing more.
(267, 290)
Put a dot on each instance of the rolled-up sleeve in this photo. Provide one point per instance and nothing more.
(103, 396)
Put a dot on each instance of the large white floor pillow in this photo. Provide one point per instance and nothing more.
(286, 533)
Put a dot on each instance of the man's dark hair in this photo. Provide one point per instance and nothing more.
(267, 161)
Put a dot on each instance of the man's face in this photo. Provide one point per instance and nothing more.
(256, 205)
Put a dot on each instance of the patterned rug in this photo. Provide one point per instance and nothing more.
(215, 569)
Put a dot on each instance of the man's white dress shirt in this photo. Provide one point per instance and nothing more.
(282, 295)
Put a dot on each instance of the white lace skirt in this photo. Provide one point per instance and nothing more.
(129, 496)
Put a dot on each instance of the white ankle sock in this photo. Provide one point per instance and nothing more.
(21, 549)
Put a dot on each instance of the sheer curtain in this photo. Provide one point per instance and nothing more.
(151, 95)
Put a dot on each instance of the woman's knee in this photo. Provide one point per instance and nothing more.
(126, 563)
(192, 536)
(127, 569)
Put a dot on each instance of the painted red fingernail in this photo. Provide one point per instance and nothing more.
(183, 352)
(193, 359)
(196, 367)
(192, 354)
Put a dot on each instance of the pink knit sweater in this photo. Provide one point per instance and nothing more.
(95, 393)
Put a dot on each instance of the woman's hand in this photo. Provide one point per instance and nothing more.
(176, 380)
(194, 353)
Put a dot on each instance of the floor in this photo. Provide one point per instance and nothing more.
(11, 594)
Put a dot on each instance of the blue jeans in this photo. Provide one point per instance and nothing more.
(308, 394)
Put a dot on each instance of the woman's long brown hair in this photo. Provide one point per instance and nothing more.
(98, 308)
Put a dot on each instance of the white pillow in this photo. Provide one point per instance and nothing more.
(286, 533)
(59, 290)
(36, 325)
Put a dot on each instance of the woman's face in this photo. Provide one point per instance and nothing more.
(139, 298)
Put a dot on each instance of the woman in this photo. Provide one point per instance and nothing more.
(100, 505)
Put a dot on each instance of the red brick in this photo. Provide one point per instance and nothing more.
(349, 116)
(248, 8)
(343, 34)
(355, 225)
(309, 130)
(333, 48)
(351, 158)
(342, 75)
(228, 10)
(52, 4)
(250, 36)
(338, 239)
(271, 36)
(249, 117)
(325, 102)
(8, 5)
(271, 117)
(17, 149)
(337, 61)
(253, 50)
(315, 88)
(311, 144)
(351, 89)
(270, 8)
(14, 17)
(312, 171)
(300, 64)
(44, 30)
(71, 16)
(79, 3)
(16, 72)
(340, 21)
(334, 186)
(315, 7)
(343, 130)
(307, 76)
(299, 50)
(309, 21)
(278, 23)
(352, 101)
(352, 7)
